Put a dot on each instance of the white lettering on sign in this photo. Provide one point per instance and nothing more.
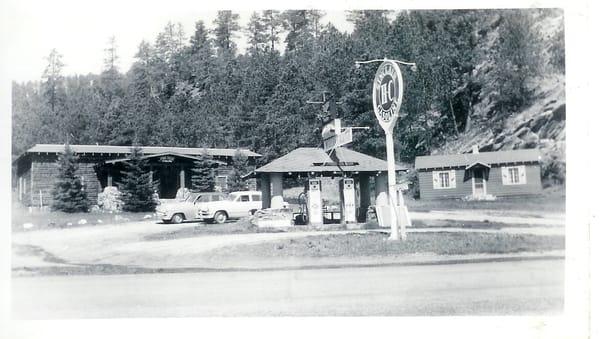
(387, 94)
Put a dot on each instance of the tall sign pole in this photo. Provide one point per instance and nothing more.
(387, 98)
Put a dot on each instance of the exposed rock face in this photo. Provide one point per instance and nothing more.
(541, 126)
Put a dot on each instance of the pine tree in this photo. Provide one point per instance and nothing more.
(202, 174)
(69, 194)
(136, 186)
(240, 167)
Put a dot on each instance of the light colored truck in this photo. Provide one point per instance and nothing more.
(236, 205)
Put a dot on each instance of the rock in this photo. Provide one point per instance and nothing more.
(540, 121)
(524, 124)
(486, 148)
(148, 216)
(99, 221)
(560, 113)
(69, 224)
(500, 138)
(520, 132)
(27, 225)
(82, 222)
(496, 147)
(530, 140)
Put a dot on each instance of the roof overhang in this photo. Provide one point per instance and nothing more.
(165, 154)
(478, 163)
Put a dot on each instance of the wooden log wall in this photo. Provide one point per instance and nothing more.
(43, 178)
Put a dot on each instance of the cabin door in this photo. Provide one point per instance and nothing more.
(479, 184)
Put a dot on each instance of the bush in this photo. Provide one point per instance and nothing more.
(413, 184)
(554, 172)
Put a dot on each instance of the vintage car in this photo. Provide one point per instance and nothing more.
(237, 205)
(179, 211)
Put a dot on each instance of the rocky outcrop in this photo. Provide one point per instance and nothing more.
(541, 126)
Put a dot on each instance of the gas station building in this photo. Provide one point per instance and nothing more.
(314, 163)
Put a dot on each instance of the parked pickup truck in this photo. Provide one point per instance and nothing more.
(236, 205)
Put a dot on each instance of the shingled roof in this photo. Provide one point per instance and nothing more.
(59, 148)
(312, 159)
(464, 160)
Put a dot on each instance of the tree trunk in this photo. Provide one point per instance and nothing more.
(468, 121)
(453, 116)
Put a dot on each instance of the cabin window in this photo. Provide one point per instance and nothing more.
(514, 175)
(444, 179)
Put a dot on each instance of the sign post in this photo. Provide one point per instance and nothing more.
(387, 98)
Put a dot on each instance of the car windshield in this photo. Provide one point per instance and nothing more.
(191, 197)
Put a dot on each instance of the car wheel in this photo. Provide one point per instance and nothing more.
(220, 217)
(177, 218)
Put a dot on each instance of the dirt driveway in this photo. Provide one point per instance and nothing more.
(126, 244)
(133, 244)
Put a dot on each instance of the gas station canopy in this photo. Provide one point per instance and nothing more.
(311, 161)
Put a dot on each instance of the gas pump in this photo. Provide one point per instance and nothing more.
(348, 202)
(314, 202)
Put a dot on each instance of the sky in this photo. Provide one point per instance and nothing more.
(80, 31)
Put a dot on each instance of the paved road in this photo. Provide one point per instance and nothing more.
(520, 287)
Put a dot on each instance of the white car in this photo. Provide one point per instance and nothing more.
(178, 211)
(236, 205)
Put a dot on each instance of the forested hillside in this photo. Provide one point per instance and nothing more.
(482, 75)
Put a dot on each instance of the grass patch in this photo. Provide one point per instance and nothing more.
(375, 244)
(547, 202)
(238, 227)
(54, 219)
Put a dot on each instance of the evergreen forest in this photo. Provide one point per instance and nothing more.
(199, 89)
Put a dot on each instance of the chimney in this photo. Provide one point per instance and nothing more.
(475, 149)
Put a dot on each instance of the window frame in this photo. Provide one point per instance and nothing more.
(518, 172)
(438, 175)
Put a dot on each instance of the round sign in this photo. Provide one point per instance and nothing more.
(387, 94)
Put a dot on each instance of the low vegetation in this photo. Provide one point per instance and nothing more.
(23, 220)
(375, 244)
(551, 200)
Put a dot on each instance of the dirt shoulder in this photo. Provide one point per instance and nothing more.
(267, 251)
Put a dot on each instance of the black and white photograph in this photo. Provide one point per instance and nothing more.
(169, 161)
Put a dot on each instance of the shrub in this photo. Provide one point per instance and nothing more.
(554, 172)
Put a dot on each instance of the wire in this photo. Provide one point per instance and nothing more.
(385, 59)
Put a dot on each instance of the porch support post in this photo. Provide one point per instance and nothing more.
(276, 190)
(381, 195)
(109, 180)
(265, 187)
(182, 178)
(365, 196)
